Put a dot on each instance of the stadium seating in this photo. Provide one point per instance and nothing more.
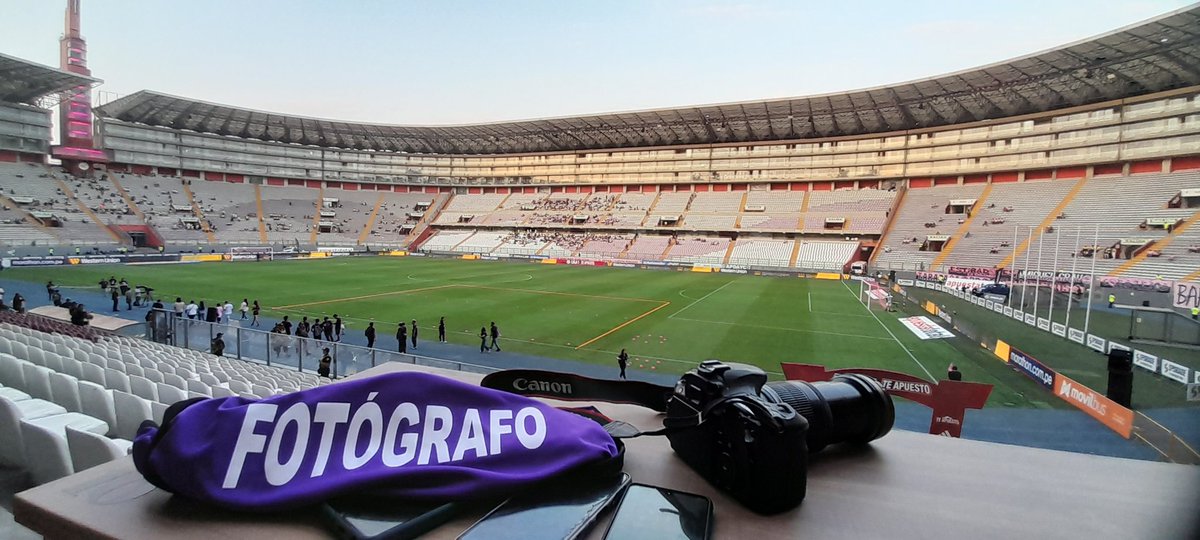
(824, 255)
(36, 182)
(699, 250)
(481, 242)
(921, 207)
(604, 246)
(232, 209)
(288, 213)
(1017, 206)
(39, 427)
(446, 240)
(762, 252)
(648, 247)
(158, 197)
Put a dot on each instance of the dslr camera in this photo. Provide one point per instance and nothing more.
(752, 439)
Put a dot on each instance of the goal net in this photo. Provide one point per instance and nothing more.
(251, 253)
(873, 295)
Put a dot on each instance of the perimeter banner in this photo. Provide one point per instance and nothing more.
(1095, 404)
(948, 399)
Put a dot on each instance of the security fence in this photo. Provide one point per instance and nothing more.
(283, 350)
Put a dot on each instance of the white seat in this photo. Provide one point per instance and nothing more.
(134, 369)
(196, 386)
(35, 355)
(154, 375)
(170, 394)
(97, 402)
(209, 379)
(143, 388)
(116, 380)
(20, 350)
(37, 381)
(261, 391)
(159, 411)
(65, 390)
(11, 373)
(238, 386)
(89, 450)
(12, 394)
(131, 412)
(91, 372)
(52, 361)
(174, 380)
(221, 392)
(52, 461)
(6, 345)
(11, 415)
(72, 367)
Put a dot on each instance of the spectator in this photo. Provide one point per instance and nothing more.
(337, 327)
(287, 325)
(414, 334)
(18, 303)
(370, 333)
(245, 308)
(402, 337)
(228, 312)
(191, 309)
(323, 369)
(254, 311)
(495, 336)
(218, 345)
(442, 330)
(483, 337)
(953, 373)
(623, 362)
(128, 298)
(116, 298)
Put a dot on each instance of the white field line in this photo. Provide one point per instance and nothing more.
(698, 300)
(889, 331)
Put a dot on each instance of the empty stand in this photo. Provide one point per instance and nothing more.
(825, 255)
(762, 252)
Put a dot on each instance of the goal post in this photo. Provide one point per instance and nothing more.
(251, 253)
(873, 295)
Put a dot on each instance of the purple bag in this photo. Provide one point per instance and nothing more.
(406, 435)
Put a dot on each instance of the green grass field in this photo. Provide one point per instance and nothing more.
(669, 321)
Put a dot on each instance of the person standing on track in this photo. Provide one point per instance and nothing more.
(402, 337)
(442, 329)
(483, 335)
(495, 336)
(244, 308)
(302, 330)
(623, 362)
(287, 325)
(370, 333)
(191, 309)
(228, 312)
(254, 312)
(414, 334)
(337, 327)
(327, 326)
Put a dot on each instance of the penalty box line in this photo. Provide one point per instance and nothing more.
(622, 325)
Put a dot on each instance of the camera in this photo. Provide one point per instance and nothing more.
(751, 438)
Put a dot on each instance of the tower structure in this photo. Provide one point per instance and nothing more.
(77, 148)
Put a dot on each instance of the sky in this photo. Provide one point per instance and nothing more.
(456, 61)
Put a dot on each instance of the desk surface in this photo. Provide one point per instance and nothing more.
(905, 485)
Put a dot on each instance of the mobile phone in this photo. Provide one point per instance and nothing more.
(362, 519)
(656, 513)
(559, 511)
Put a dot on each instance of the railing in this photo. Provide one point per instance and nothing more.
(282, 350)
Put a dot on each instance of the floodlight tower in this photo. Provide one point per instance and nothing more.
(77, 148)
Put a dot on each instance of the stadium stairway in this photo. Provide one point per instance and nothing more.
(316, 229)
(962, 229)
(191, 197)
(1024, 245)
(1160, 245)
(83, 207)
(112, 179)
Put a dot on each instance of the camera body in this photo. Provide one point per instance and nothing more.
(737, 438)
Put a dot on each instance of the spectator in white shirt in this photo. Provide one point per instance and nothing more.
(227, 313)
(191, 309)
(245, 308)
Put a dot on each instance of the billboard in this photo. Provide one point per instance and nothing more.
(1031, 368)
(1095, 404)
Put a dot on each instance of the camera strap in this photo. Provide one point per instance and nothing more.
(571, 387)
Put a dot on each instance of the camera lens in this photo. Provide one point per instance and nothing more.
(850, 408)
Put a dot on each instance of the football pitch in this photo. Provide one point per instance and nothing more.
(668, 321)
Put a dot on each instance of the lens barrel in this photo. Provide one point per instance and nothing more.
(850, 408)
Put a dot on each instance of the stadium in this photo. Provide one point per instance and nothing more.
(1021, 224)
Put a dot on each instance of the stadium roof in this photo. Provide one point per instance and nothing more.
(1153, 56)
(22, 81)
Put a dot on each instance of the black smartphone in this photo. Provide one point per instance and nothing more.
(554, 512)
(360, 519)
(656, 513)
